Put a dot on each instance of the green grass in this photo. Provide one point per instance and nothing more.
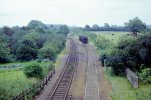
(114, 38)
(13, 82)
(12, 75)
(14, 63)
(122, 90)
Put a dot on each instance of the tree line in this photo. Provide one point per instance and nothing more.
(134, 25)
(34, 41)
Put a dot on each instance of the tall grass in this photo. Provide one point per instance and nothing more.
(122, 90)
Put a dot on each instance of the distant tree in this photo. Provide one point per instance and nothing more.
(135, 25)
(95, 27)
(87, 27)
(35, 23)
(36, 38)
(26, 51)
(6, 30)
(64, 29)
(4, 52)
(106, 25)
(48, 51)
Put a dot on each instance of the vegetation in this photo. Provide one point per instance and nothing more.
(112, 46)
(106, 27)
(34, 47)
(33, 70)
(122, 90)
(25, 43)
(135, 25)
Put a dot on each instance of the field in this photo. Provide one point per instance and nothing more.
(13, 82)
(115, 37)
(11, 75)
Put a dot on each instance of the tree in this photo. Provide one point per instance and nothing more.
(4, 52)
(6, 30)
(106, 25)
(64, 29)
(34, 24)
(96, 27)
(87, 27)
(48, 51)
(26, 51)
(33, 70)
(135, 25)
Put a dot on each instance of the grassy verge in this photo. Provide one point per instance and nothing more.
(122, 90)
(13, 82)
(14, 63)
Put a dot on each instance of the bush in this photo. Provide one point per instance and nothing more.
(33, 70)
(4, 52)
(117, 64)
(145, 74)
(26, 51)
(48, 51)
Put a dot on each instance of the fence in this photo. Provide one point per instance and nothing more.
(35, 89)
(132, 77)
(10, 67)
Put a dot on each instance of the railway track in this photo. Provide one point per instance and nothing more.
(62, 86)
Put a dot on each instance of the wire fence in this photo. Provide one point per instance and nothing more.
(8, 67)
(34, 90)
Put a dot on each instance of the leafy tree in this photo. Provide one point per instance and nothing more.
(134, 54)
(6, 30)
(33, 70)
(63, 29)
(26, 51)
(135, 25)
(117, 64)
(87, 27)
(106, 25)
(34, 24)
(96, 27)
(48, 51)
(4, 52)
(37, 39)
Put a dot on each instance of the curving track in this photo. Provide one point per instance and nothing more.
(62, 86)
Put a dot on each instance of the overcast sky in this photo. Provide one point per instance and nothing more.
(73, 12)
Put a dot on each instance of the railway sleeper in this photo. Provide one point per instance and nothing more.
(57, 98)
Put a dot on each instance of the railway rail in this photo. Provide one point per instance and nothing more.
(62, 86)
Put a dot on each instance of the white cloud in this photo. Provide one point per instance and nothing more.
(73, 12)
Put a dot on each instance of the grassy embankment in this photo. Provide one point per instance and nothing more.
(122, 90)
(13, 81)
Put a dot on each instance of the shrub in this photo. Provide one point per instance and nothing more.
(4, 52)
(145, 74)
(33, 70)
(117, 64)
(26, 51)
(48, 51)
